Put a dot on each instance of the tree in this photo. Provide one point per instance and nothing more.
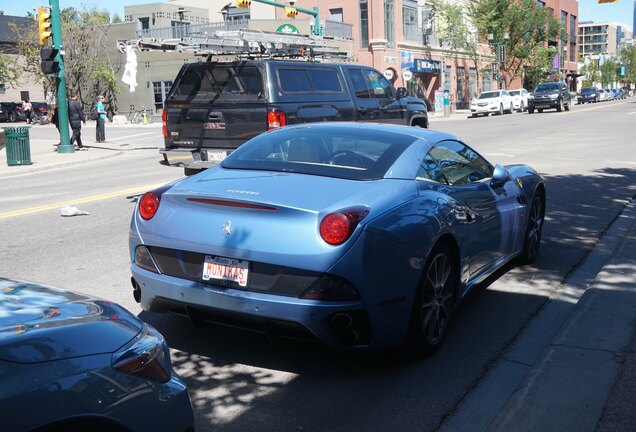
(87, 67)
(628, 60)
(591, 73)
(527, 26)
(9, 73)
(539, 64)
(608, 72)
(456, 31)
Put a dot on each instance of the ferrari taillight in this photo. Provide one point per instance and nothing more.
(164, 119)
(149, 202)
(337, 227)
(276, 119)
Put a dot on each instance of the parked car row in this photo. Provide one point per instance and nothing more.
(548, 95)
(12, 112)
(593, 94)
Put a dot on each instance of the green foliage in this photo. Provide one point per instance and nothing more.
(608, 72)
(628, 59)
(529, 28)
(539, 64)
(9, 72)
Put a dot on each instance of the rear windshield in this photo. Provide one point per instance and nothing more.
(354, 154)
(488, 95)
(547, 87)
(206, 82)
(588, 90)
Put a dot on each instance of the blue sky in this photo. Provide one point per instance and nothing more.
(620, 12)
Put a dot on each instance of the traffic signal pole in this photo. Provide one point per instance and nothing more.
(313, 12)
(60, 82)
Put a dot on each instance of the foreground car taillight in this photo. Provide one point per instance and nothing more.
(276, 119)
(146, 356)
(149, 202)
(337, 227)
(330, 287)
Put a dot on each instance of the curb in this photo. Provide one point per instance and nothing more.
(29, 169)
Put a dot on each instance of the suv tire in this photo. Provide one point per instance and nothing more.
(567, 106)
(530, 110)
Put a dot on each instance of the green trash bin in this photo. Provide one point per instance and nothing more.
(18, 146)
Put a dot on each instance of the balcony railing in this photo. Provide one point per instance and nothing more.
(334, 29)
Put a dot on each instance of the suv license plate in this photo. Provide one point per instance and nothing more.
(228, 269)
(216, 155)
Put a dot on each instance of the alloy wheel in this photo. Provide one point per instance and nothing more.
(535, 225)
(437, 299)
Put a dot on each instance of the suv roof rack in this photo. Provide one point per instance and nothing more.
(241, 43)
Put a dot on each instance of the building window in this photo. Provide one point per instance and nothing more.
(145, 23)
(472, 83)
(388, 23)
(364, 24)
(573, 27)
(447, 78)
(335, 14)
(486, 79)
(160, 91)
(572, 52)
(409, 20)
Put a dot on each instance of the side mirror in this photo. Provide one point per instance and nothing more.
(499, 176)
(401, 92)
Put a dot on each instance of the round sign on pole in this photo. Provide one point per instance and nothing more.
(407, 75)
(388, 74)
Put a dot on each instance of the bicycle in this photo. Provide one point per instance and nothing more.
(143, 116)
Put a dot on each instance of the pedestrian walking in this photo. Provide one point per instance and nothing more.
(27, 109)
(100, 133)
(76, 118)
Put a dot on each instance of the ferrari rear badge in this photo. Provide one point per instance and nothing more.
(227, 228)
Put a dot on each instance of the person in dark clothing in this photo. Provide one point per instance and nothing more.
(76, 118)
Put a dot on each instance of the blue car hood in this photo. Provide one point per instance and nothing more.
(42, 323)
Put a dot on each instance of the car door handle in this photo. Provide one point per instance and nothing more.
(362, 110)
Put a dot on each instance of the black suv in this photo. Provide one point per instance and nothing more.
(9, 112)
(588, 94)
(550, 95)
(214, 107)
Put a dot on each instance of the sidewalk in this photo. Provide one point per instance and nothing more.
(44, 153)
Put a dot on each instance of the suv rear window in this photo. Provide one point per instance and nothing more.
(309, 80)
(201, 83)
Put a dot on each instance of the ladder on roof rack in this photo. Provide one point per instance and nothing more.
(242, 43)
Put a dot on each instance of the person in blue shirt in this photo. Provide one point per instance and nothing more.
(100, 135)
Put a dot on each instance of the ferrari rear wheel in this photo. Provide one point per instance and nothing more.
(434, 301)
(533, 231)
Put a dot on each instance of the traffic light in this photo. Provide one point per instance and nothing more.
(243, 4)
(44, 25)
(290, 12)
(49, 64)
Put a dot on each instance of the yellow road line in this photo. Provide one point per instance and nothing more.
(84, 200)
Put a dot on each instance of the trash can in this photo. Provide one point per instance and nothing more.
(18, 147)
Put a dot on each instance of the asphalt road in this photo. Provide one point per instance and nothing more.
(240, 381)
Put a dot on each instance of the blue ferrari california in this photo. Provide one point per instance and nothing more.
(358, 235)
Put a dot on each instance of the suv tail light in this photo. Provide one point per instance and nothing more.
(337, 227)
(164, 119)
(149, 202)
(276, 119)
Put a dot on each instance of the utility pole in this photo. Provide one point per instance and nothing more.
(60, 81)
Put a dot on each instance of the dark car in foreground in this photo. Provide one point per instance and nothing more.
(357, 235)
(74, 363)
(550, 95)
(588, 95)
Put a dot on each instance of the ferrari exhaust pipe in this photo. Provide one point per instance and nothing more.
(136, 290)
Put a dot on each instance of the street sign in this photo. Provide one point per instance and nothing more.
(502, 53)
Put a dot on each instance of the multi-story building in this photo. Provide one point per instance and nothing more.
(597, 39)
(566, 63)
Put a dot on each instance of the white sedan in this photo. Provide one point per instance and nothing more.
(497, 101)
(519, 99)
